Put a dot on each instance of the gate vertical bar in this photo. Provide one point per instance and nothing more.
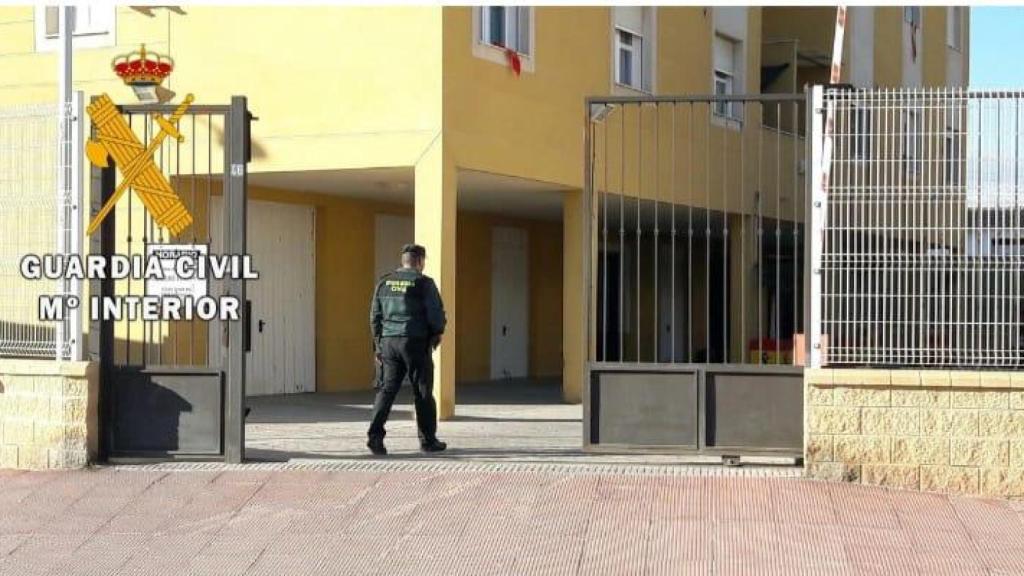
(68, 332)
(818, 210)
(809, 237)
(590, 305)
(77, 349)
(656, 324)
(65, 176)
(235, 174)
(102, 332)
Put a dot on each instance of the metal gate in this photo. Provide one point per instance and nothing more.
(696, 263)
(174, 388)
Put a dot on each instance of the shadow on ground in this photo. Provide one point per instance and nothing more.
(504, 420)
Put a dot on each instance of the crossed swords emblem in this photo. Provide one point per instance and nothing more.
(115, 139)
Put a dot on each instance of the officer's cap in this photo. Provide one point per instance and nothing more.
(414, 249)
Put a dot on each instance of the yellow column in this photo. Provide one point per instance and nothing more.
(436, 195)
(574, 320)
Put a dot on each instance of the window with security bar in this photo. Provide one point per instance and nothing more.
(921, 260)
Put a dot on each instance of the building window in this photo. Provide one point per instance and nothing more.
(506, 27)
(632, 49)
(723, 87)
(727, 54)
(93, 26)
(955, 27)
(629, 48)
(912, 15)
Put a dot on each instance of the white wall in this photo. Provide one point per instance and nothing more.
(862, 45)
(913, 74)
(955, 58)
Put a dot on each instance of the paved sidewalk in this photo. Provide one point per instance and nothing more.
(247, 520)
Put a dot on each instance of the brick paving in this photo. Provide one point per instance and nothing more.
(252, 520)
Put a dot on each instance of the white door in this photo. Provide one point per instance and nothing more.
(391, 233)
(281, 239)
(510, 300)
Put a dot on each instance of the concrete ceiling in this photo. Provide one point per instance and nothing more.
(382, 184)
(478, 191)
(509, 196)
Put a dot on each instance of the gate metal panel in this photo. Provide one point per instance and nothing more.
(750, 410)
(696, 283)
(162, 394)
(707, 409)
(168, 412)
(663, 415)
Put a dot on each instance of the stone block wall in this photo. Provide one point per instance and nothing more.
(939, 431)
(48, 414)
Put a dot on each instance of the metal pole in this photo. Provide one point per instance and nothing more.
(65, 31)
(656, 323)
(817, 218)
(74, 224)
(808, 215)
(65, 177)
(672, 258)
(235, 176)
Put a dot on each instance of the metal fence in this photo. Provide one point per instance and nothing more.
(917, 206)
(697, 239)
(40, 194)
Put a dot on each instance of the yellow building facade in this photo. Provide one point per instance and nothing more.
(396, 124)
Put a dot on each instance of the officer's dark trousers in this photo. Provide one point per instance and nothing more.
(406, 357)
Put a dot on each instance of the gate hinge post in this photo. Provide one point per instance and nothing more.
(818, 202)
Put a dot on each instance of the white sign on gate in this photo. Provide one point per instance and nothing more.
(173, 285)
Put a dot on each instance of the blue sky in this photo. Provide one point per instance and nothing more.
(997, 47)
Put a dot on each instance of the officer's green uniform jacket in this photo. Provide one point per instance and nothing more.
(406, 304)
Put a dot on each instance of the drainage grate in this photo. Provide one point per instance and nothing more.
(474, 466)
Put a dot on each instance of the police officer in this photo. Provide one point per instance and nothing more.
(407, 319)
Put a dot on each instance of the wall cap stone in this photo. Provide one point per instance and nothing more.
(35, 367)
(818, 376)
(959, 379)
(1017, 380)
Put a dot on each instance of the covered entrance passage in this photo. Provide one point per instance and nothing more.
(510, 257)
(330, 235)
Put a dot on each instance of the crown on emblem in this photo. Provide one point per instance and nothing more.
(143, 68)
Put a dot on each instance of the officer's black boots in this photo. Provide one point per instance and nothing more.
(434, 445)
(376, 445)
